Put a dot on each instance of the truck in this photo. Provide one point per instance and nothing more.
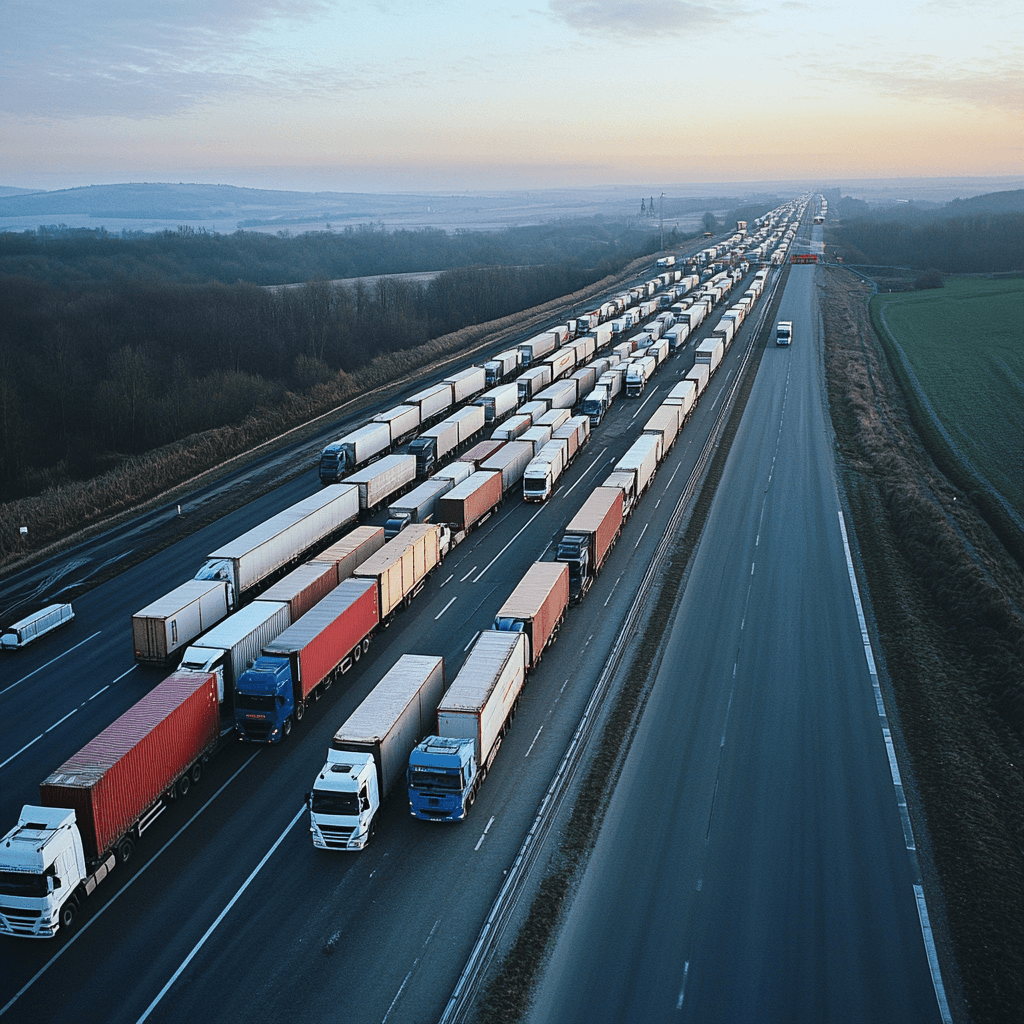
(512, 428)
(389, 476)
(677, 336)
(683, 394)
(403, 421)
(641, 459)
(231, 646)
(433, 402)
(418, 506)
(400, 569)
(446, 770)
(499, 402)
(302, 588)
(586, 378)
(304, 660)
(353, 549)
(589, 537)
(355, 449)
(536, 348)
(269, 550)
(467, 383)
(700, 374)
(35, 626)
(562, 361)
(511, 461)
(467, 504)
(784, 332)
(665, 424)
(370, 752)
(502, 366)
(536, 607)
(576, 432)
(94, 808)
(639, 373)
(553, 418)
(167, 625)
(481, 452)
(710, 352)
(544, 471)
(538, 436)
(560, 395)
(596, 404)
(433, 445)
(724, 330)
(533, 380)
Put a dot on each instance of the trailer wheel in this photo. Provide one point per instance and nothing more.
(357, 652)
(184, 784)
(300, 710)
(365, 645)
(125, 850)
(197, 771)
(67, 914)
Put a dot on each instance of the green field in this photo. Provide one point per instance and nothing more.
(965, 345)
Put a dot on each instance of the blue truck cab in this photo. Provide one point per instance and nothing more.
(443, 778)
(264, 701)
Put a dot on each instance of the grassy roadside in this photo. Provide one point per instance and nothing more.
(958, 357)
(947, 598)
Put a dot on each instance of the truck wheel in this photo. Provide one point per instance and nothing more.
(125, 851)
(184, 783)
(67, 914)
(300, 710)
(286, 728)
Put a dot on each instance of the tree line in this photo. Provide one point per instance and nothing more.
(985, 243)
(94, 372)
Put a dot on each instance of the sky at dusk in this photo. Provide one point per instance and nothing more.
(438, 94)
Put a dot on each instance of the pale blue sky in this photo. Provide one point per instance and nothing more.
(336, 94)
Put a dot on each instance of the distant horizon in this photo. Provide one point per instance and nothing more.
(637, 187)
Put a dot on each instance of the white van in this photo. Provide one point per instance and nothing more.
(36, 625)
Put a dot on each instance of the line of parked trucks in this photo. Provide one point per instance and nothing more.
(273, 618)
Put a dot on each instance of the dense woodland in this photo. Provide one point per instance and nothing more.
(982, 243)
(112, 346)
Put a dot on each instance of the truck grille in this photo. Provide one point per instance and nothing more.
(335, 836)
(256, 730)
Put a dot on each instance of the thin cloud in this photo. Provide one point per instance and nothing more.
(68, 58)
(996, 83)
(640, 20)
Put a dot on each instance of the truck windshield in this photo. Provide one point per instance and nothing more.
(15, 883)
(428, 780)
(335, 803)
(254, 701)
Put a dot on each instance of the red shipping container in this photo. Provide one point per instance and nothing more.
(303, 587)
(469, 501)
(116, 777)
(321, 640)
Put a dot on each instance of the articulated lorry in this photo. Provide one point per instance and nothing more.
(536, 607)
(94, 808)
(370, 753)
(303, 661)
(400, 569)
(589, 538)
(446, 770)
(162, 629)
(258, 555)
(233, 645)
(354, 450)
(384, 479)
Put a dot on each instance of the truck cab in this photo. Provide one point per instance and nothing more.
(396, 524)
(443, 778)
(333, 464)
(425, 450)
(42, 864)
(574, 549)
(265, 702)
(344, 801)
(784, 332)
